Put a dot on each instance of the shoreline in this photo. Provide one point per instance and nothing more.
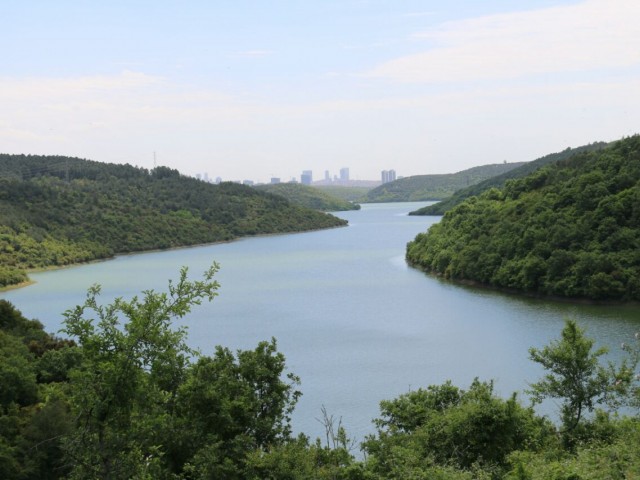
(17, 286)
(519, 293)
(30, 282)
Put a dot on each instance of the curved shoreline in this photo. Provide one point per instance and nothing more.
(152, 250)
(520, 293)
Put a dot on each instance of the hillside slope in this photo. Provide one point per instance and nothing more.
(499, 180)
(433, 187)
(570, 229)
(309, 197)
(58, 210)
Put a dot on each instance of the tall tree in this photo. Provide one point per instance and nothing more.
(129, 375)
(575, 375)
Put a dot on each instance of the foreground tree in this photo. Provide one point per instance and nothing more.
(129, 376)
(574, 376)
(144, 409)
(427, 429)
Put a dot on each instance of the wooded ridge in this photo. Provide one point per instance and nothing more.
(569, 229)
(58, 211)
(433, 187)
(499, 180)
(309, 197)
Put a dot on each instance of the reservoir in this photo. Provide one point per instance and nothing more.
(355, 323)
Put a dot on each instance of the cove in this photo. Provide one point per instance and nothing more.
(355, 323)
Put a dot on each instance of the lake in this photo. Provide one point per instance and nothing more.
(353, 320)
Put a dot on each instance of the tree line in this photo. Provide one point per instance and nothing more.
(499, 180)
(309, 197)
(122, 396)
(58, 211)
(435, 186)
(569, 229)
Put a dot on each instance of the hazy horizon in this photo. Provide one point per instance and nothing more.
(250, 90)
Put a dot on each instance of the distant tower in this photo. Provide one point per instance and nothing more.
(327, 176)
(275, 180)
(307, 177)
(392, 175)
(344, 174)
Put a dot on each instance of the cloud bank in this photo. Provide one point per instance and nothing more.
(596, 34)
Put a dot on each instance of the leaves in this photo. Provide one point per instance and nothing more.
(59, 210)
(574, 375)
(569, 229)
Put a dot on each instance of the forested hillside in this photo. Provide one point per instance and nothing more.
(499, 180)
(309, 197)
(570, 229)
(347, 193)
(433, 187)
(58, 211)
(123, 397)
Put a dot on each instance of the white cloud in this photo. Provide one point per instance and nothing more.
(39, 88)
(591, 35)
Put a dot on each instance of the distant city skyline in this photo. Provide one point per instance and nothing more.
(306, 177)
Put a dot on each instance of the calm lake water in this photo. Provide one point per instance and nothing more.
(353, 320)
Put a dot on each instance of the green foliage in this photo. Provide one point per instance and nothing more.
(574, 376)
(433, 187)
(444, 425)
(144, 409)
(229, 406)
(570, 229)
(299, 459)
(309, 197)
(350, 194)
(616, 458)
(128, 377)
(499, 181)
(58, 211)
(33, 411)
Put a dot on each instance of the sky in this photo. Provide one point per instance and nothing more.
(243, 89)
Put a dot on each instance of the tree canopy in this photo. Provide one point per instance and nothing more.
(309, 197)
(57, 211)
(433, 187)
(570, 229)
(498, 181)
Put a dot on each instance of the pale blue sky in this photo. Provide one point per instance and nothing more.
(253, 89)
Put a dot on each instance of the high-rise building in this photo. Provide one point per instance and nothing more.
(307, 177)
(388, 176)
(327, 176)
(344, 174)
(392, 175)
(275, 180)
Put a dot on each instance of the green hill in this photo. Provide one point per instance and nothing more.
(58, 210)
(569, 229)
(309, 197)
(499, 180)
(344, 192)
(433, 187)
